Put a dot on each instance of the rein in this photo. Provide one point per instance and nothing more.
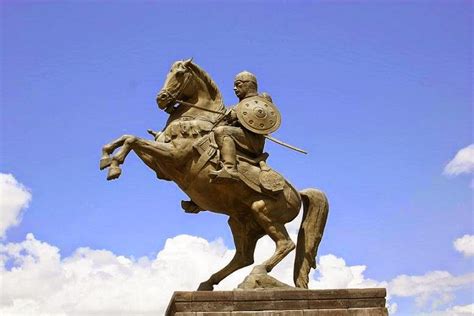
(184, 85)
(198, 107)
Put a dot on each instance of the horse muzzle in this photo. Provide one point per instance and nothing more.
(164, 100)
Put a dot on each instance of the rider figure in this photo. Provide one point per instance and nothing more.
(229, 136)
(233, 135)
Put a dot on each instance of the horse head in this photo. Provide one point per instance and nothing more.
(187, 82)
(177, 85)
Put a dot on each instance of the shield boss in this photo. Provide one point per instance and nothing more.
(258, 115)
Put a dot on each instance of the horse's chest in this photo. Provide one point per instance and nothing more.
(186, 129)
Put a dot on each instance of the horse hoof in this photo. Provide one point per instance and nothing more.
(190, 207)
(105, 162)
(114, 173)
(205, 286)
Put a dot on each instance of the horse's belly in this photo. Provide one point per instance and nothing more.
(226, 198)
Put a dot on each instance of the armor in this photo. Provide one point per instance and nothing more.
(258, 115)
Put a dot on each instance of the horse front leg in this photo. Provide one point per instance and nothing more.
(127, 142)
(108, 149)
(149, 151)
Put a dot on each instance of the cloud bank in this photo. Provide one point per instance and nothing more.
(36, 280)
(434, 288)
(39, 281)
(459, 310)
(14, 197)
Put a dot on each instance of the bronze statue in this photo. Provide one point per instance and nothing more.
(216, 157)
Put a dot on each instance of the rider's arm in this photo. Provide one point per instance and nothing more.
(231, 116)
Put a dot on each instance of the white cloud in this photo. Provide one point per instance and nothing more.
(463, 162)
(333, 273)
(36, 280)
(460, 310)
(14, 197)
(98, 280)
(465, 245)
(435, 287)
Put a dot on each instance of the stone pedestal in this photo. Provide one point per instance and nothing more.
(295, 302)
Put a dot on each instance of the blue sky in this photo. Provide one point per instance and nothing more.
(379, 93)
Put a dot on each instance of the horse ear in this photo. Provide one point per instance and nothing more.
(187, 61)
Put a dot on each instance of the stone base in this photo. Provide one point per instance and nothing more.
(350, 302)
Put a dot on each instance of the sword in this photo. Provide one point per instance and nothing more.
(279, 142)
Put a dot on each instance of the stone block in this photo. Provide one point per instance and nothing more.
(347, 302)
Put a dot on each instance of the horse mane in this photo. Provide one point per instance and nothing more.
(211, 85)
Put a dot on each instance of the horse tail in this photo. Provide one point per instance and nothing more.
(315, 214)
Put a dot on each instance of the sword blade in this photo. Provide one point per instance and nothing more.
(279, 142)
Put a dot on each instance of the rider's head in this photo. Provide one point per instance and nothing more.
(245, 85)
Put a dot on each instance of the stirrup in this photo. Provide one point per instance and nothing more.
(224, 174)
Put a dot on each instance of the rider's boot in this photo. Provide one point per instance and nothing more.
(229, 163)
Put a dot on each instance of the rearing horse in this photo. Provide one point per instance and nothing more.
(173, 155)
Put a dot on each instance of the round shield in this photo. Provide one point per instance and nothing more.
(258, 115)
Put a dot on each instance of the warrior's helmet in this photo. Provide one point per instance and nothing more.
(246, 76)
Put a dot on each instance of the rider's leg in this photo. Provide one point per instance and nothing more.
(227, 147)
(228, 154)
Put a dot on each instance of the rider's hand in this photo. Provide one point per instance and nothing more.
(231, 116)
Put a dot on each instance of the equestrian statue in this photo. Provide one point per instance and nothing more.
(215, 155)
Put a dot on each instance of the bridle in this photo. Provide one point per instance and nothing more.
(174, 94)
(174, 97)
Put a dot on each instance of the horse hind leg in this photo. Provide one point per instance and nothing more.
(245, 239)
(276, 231)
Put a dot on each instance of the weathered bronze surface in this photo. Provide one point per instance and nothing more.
(216, 157)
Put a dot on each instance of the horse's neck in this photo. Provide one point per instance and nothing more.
(187, 113)
(202, 100)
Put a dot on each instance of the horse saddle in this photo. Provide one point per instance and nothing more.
(253, 171)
